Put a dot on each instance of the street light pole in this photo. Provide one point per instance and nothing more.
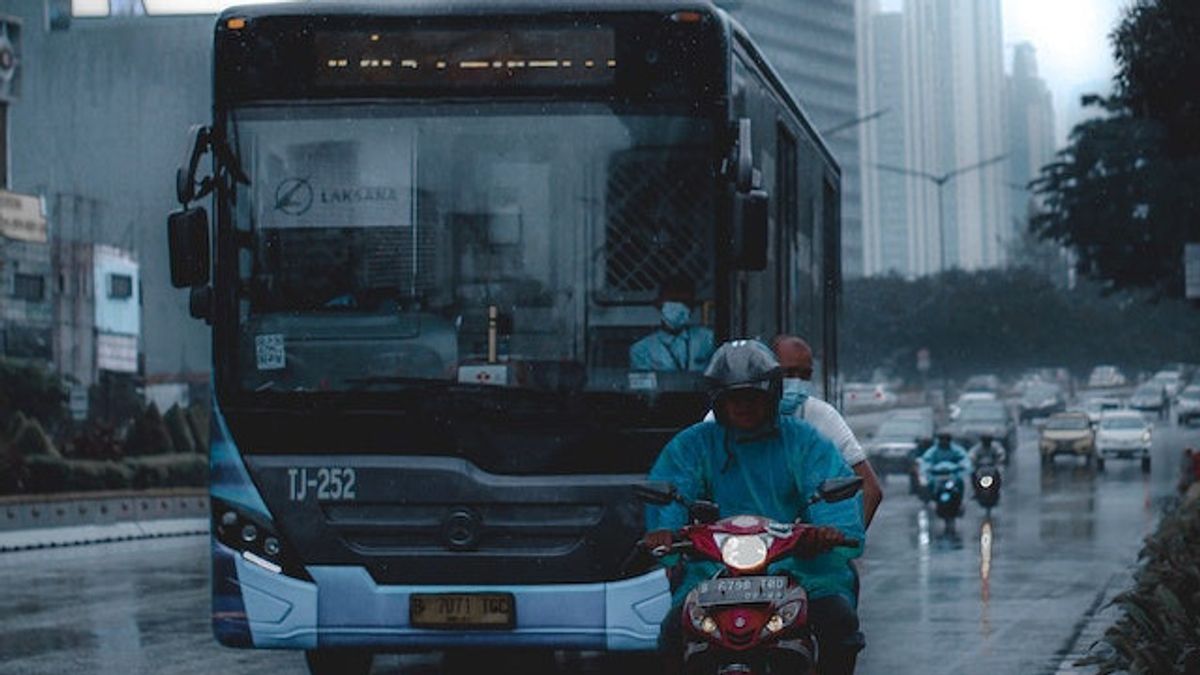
(941, 181)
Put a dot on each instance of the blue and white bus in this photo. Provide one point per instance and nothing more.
(437, 230)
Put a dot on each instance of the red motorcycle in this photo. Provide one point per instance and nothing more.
(743, 621)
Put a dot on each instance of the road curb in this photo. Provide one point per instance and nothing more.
(45, 521)
(1093, 624)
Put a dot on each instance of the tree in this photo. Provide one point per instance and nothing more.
(1122, 193)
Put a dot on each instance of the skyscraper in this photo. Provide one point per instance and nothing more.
(948, 93)
(812, 43)
(1030, 127)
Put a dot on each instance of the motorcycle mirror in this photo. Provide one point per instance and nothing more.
(840, 489)
(659, 494)
(702, 511)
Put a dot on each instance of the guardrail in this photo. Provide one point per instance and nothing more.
(40, 521)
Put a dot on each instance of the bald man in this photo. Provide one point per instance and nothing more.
(795, 356)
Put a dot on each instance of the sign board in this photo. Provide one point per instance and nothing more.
(116, 353)
(21, 217)
(1191, 271)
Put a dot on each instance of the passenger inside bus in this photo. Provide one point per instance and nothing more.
(677, 346)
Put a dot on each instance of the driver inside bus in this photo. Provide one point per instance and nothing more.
(677, 346)
(751, 460)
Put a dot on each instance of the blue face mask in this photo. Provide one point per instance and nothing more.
(675, 316)
(795, 392)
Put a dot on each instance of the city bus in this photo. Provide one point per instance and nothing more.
(436, 231)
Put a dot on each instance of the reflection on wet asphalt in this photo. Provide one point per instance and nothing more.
(1003, 596)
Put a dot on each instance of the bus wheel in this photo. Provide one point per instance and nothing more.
(339, 661)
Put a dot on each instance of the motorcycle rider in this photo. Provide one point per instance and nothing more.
(944, 449)
(752, 460)
(986, 452)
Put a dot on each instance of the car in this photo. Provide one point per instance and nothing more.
(1170, 380)
(968, 398)
(1041, 400)
(861, 396)
(1067, 433)
(1125, 434)
(1187, 406)
(898, 440)
(1105, 377)
(1097, 405)
(1150, 397)
(986, 418)
(982, 383)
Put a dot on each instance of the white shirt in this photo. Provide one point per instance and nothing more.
(829, 423)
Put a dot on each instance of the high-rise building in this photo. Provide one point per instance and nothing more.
(812, 43)
(946, 83)
(1030, 127)
(888, 242)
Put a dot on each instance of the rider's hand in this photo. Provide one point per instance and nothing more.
(818, 540)
(657, 540)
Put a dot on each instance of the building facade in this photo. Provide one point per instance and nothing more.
(1030, 129)
(950, 100)
(813, 45)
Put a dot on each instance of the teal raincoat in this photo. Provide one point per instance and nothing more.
(689, 350)
(769, 473)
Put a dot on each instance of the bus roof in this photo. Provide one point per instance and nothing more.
(449, 7)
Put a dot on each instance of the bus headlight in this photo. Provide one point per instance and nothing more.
(255, 539)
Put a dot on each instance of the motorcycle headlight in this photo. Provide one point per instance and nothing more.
(1145, 436)
(744, 552)
(986, 482)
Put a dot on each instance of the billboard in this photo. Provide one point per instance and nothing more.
(21, 217)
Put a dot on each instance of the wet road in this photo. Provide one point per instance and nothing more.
(1004, 598)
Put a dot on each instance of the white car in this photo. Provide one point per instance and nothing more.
(1187, 406)
(1169, 380)
(1096, 407)
(1123, 434)
(967, 399)
(1103, 377)
(865, 396)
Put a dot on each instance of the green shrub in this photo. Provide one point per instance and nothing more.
(31, 440)
(179, 429)
(1158, 632)
(149, 435)
(199, 418)
(88, 474)
(46, 473)
(168, 471)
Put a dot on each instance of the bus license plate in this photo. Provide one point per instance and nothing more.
(741, 590)
(461, 610)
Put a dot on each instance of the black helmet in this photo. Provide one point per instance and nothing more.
(744, 364)
(986, 439)
(944, 433)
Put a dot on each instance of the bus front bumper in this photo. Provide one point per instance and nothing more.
(344, 607)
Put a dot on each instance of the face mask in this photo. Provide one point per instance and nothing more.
(675, 316)
(795, 391)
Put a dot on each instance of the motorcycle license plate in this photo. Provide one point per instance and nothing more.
(741, 590)
(461, 610)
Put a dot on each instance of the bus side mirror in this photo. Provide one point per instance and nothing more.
(749, 205)
(750, 230)
(187, 238)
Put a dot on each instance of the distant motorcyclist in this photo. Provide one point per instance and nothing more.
(751, 460)
(944, 450)
(987, 452)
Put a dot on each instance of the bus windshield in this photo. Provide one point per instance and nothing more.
(519, 245)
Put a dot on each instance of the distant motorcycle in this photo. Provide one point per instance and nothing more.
(986, 481)
(946, 491)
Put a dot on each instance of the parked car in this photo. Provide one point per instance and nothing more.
(1124, 434)
(1067, 433)
(861, 396)
(1097, 405)
(1105, 377)
(1041, 400)
(1151, 397)
(898, 440)
(990, 418)
(1170, 380)
(1187, 406)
